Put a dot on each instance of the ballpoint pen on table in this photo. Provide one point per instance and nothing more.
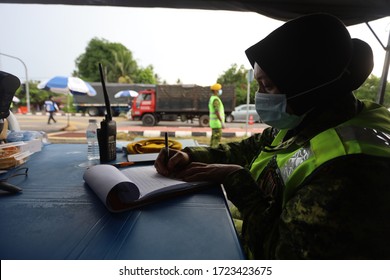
(122, 164)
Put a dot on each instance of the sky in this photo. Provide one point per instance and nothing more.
(195, 46)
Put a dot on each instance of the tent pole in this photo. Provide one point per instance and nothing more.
(383, 82)
(385, 72)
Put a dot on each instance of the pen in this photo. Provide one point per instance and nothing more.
(166, 147)
(122, 164)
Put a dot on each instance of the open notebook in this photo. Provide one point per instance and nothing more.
(133, 187)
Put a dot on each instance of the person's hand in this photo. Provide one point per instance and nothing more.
(223, 125)
(197, 171)
(169, 166)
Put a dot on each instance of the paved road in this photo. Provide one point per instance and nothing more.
(80, 123)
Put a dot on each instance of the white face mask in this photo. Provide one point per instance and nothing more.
(220, 92)
(272, 111)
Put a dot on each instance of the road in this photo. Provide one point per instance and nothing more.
(80, 123)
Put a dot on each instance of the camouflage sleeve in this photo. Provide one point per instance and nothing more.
(216, 104)
(254, 209)
(241, 153)
(242, 190)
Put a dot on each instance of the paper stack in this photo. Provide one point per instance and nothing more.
(13, 154)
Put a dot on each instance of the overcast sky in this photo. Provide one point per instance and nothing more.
(195, 46)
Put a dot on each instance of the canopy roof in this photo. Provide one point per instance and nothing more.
(350, 11)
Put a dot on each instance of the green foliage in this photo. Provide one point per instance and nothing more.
(117, 61)
(370, 89)
(97, 51)
(146, 76)
(39, 96)
(122, 66)
(238, 76)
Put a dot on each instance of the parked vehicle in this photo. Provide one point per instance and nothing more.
(95, 105)
(240, 112)
(173, 102)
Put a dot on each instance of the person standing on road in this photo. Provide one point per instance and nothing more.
(217, 115)
(51, 107)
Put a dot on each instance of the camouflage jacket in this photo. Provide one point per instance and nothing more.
(341, 212)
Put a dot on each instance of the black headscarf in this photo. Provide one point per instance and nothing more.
(313, 53)
(8, 86)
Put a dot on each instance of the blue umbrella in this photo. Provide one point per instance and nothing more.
(91, 91)
(67, 85)
(126, 93)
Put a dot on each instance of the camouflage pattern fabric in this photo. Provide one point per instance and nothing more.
(216, 135)
(342, 211)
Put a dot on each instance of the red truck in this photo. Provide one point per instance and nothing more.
(173, 102)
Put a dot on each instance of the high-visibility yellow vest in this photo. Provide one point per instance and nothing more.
(214, 121)
(368, 133)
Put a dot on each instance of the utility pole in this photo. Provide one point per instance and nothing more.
(249, 78)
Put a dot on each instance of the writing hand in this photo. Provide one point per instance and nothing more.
(168, 167)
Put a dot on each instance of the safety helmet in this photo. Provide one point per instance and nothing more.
(216, 86)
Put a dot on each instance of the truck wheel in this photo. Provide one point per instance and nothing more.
(204, 121)
(229, 118)
(92, 111)
(148, 120)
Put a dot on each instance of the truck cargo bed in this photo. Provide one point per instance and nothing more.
(190, 98)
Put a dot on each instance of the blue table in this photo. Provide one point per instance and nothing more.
(58, 217)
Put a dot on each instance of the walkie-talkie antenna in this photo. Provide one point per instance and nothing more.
(106, 100)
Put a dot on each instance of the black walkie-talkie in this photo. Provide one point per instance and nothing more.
(107, 131)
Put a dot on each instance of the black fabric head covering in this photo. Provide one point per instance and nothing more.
(360, 67)
(305, 53)
(312, 53)
(8, 86)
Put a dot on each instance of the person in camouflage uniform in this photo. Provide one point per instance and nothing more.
(316, 183)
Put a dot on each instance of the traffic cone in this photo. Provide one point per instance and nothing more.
(251, 120)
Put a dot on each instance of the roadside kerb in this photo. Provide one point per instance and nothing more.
(181, 132)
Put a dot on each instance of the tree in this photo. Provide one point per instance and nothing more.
(37, 97)
(146, 76)
(237, 76)
(118, 64)
(370, 88)
(97, 51)
(122, 67)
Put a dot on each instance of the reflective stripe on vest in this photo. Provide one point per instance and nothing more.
(328, 145)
